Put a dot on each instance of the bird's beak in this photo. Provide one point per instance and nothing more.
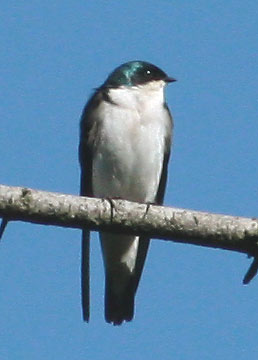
(170, 79)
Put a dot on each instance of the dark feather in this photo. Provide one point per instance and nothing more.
(85, 157)
(119, 308)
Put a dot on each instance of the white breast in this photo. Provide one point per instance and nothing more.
(129, 158)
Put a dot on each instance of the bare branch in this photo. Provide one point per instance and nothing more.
(179, 225)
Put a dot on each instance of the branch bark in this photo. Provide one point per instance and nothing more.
(179, 225)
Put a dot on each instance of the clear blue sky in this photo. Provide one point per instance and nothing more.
(191, 303)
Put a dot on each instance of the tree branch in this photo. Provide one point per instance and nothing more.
(178, 225)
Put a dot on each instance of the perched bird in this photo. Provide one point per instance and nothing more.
(125, 139)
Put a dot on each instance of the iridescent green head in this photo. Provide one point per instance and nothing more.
(135, 73)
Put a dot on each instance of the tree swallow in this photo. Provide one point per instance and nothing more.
(125, 139)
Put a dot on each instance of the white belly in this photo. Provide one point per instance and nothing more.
(129, 157)
(127, 163)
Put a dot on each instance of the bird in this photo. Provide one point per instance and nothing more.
(125, 140)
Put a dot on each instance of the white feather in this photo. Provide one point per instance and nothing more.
(129, 159)
(130, 154)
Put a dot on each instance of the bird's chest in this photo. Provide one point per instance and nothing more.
(129, 154)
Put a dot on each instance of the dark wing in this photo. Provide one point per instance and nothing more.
(164, 173)
(143, 241)
(3, 226)
(87, 136)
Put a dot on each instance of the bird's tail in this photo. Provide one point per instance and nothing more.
(121, 279)
(119, 307)
(85, 275)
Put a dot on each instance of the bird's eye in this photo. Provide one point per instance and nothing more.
(148, 72)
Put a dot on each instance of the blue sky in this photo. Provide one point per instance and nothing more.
(191, 303)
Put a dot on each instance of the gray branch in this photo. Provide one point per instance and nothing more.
(179, 225)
